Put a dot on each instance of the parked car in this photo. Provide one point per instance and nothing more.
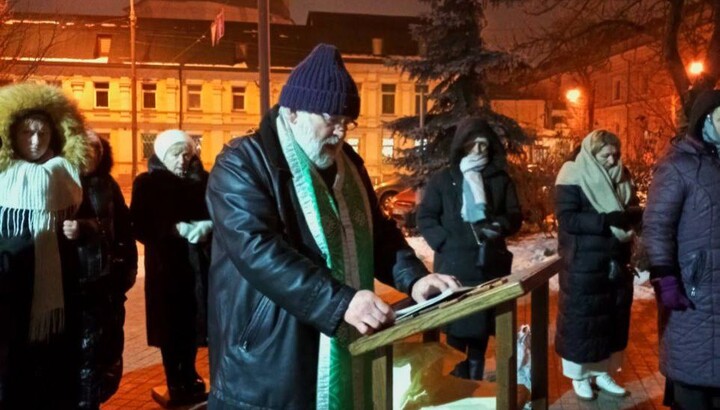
(386, 191)
(403, 208)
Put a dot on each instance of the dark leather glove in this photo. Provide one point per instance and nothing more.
(670, 293)
(618, 219)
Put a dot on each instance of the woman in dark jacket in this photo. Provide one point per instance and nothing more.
(42, 149)
(171, 219)
(107, 261)
(467, 211)
(594, 194)
(681, 236)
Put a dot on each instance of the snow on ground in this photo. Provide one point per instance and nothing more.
(530, 250)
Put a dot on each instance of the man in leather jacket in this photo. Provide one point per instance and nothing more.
(298, 241)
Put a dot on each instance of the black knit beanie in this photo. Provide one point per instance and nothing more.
(322, 84)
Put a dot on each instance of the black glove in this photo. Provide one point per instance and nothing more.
(618, 219)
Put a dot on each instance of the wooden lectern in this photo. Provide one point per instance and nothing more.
(504, 299)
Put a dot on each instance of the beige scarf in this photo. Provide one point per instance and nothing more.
(607, 190)
(40, 197)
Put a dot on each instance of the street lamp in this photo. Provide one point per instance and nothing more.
(696, 68)
(573, 95)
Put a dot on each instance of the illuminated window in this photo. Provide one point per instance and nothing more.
(102, 46)
(148, 144)
(388, 148)
(354, 143)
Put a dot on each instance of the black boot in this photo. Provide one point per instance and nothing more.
(476, 368)
(461, 370)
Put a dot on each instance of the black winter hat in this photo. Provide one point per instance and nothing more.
(322, 84)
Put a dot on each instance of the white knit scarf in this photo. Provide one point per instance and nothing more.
(39, 197)
(474, 199)
(607, 190)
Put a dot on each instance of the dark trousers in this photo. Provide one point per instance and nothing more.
(179, 363)
(688, 397)
(475, 349)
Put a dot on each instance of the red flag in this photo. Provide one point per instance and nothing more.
(217, 28)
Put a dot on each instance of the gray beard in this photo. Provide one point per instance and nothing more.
(304, 134)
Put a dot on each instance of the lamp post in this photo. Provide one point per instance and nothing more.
(133, 89)
(575, 96)
(264, 54)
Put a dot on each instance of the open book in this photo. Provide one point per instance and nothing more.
(448, 294)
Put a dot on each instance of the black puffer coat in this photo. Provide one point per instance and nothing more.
(682, 238)
(593, 310)
(271, 293)
(107, 259)
(452, 239)
(175, 270)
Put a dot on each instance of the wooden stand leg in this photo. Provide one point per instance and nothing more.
(539, 347)
(506, 354)
(382, 378)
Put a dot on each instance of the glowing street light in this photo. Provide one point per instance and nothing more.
(696, 67)
(573, 95)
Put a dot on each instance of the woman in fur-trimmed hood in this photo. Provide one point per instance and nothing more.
(24, 98)
(42, 149)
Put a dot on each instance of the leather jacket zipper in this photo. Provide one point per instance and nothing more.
(247, 335)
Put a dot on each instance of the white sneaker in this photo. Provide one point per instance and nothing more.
(583, 389)
(607, 384)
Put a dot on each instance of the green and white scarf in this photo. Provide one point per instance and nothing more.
(342, 229)
(40, 197)
(607, 190)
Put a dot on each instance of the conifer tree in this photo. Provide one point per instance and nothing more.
(458, 65)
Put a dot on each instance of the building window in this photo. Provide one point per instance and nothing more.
(421, 92)
(388, 149)
(617, 88)
(102, 46)
(354, 143)
(54, 83)
(194, 97)
(388, 98)
(148, 144)
(238, 98)
(148, 96)
(102, 94)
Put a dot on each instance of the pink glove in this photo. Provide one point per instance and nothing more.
(670, 293)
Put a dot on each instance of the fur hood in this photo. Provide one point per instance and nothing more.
(15, 100)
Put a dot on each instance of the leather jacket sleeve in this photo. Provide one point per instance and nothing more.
(248, 225)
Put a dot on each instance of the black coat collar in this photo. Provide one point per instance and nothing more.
(270, 140)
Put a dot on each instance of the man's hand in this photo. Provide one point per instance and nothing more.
(368, 313)
(71, 229)
(431, 285)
